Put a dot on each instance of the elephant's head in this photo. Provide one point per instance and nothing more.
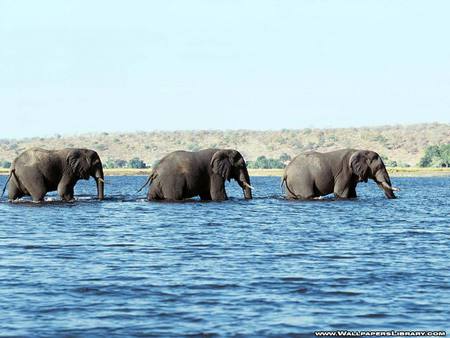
(367, 164)
(230, 164)
(85, 163)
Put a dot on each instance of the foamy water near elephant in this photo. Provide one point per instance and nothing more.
(315, 174)
(184, 174)
(37, 171)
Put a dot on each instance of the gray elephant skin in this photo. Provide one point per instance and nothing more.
(315, 174)
(185, 174)
(37, 171)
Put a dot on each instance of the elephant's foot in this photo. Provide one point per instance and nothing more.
(343, 197)
(67, 197)
(37, 201)
(220, 199)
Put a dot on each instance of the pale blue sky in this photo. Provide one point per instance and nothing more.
(79, 66)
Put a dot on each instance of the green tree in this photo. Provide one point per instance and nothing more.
(263, 162)
(112, 164)
(109, 164)
(120, 163)
(5, 164)
(436, 156)
(445, 155)
(388, 162)
(136, 163)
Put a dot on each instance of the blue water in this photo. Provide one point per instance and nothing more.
(127, 267)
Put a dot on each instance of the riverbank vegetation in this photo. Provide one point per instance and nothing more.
(437, 156)
(420, 145)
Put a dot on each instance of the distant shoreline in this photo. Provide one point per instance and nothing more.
(394, 172)
(402, 144)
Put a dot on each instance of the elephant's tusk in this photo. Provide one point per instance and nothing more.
(388, 187)
(101, 179)
(247, 185)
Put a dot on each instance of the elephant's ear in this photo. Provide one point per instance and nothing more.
(359, 163)
(221, 164)
(78, 163)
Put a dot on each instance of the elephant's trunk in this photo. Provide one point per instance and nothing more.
(244, 182)
(99, 178)
(384, 182)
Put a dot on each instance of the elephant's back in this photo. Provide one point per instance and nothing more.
(32, 156)
(303, 161)
(177, 162)
(46, 162)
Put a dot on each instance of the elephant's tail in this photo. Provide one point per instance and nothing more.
(11, 172)
(283, 182)
(149, 180)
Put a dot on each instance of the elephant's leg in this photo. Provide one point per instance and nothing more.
(205, 196)
(301, 187)
(154, 192)
(14, 191)
(34, 183)
(38, 191)
(217, 188)
(352, 191)
(343, 189)
(174, 188)
(343, 194)
(219, 195)
(347, 192)
(168, 187)
(301, 184)
(66, 191)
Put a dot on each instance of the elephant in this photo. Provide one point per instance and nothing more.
(184, 174)
(313, 174)
(37, 171)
